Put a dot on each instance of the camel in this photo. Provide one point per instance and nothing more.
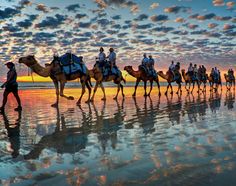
(97, 74)
(212, 82)
(188, 80)
(203, 79)
(230, 81)
(53, 70)
(170, 78)
(141, 75)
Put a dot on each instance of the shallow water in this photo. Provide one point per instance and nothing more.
(174, 140)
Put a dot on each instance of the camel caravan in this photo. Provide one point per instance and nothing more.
(70, 67)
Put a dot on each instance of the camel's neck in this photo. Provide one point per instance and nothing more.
(184, 75)
(40, 70)
(134, 73)
(164, 76)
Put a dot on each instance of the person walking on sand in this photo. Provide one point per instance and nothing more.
(11, 86)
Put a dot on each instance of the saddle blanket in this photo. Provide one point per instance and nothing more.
(71, 64)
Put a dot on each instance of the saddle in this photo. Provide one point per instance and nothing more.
(71, 64)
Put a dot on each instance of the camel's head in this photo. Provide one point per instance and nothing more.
(128, 68)
(183, 71)
(160, 72)
(28, 60)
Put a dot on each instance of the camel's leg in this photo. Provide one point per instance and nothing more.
(62, 86)
(89, 89)
(158, 85)
(145, 88)
(103, 90)
(122, 90)
(179, 89)
(94, 91)
(167, 88)
(193, 87)
(118, 90)
(151, 85)
(135, 88)
(171, 88)
(57, 93)
(82, 93)
(186, 83)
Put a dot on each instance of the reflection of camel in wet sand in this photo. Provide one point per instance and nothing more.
(98, 76)
(53, 70)
(188, 80)
(107, 128)
(170, 78)
(229, 100)
(229, 81)
(13, 132)
(146, 116)
(141, 75)
(63, 139)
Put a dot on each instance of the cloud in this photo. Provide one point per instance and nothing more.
(134, 9)
(176, 9)
(212, 25)
(141, 17)
(163, 29)
(101, 3)
(230, 4)
(202, 17)
(154, 5)
(218, 2)
(73, 7)
(159, 18)
(42, 8)
(8, 13)
(24, 3)
(116, 17)
(25, 24)
(179, 20)
(144, 26)
(226, 18)
(52, 22)
(192, 26)
(80, 16)
(229, 27)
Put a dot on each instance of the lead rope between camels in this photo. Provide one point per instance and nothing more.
(30, 73)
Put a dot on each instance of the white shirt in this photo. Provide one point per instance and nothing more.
(112, 57)
(190, 69)
(101, 57)
(172, 67)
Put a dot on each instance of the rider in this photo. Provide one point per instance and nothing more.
(145, 62)
(112, 60)
(190, 70)
(216, 74)
(151, 66)
(177, 71)
(101, 58)
(172, 68)
(195, 72)
(200, 72)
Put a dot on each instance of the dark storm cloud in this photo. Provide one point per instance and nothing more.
(85, 24)
(80, 16)
(159, 18)
(116, 17)
(178, 32)
(163, 29)
(11, 28)
(141, 17)
(8, 13)
(177, 9)
(145, 26)
(52, 22)
(73, 8)
(202, 17)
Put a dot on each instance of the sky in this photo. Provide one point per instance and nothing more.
(197, 31)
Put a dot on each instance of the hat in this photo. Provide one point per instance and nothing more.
(10, 63)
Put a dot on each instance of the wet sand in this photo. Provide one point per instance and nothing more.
(173, 140)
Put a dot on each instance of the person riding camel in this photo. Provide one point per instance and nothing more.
(112, 61)
(151, 63)
(231, 74)
(216, 74)
(145, 62)
(200, 72)
(172, 68)
(177, 74)
(101, 59)
(190, 70)
(195, 72)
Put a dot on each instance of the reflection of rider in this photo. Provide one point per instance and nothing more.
(13, 131)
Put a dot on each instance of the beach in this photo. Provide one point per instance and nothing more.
(186, 139)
